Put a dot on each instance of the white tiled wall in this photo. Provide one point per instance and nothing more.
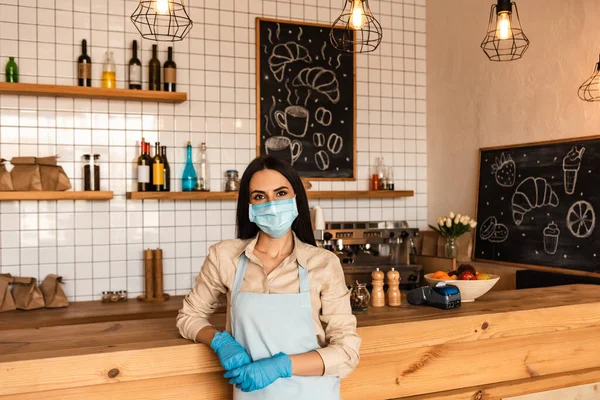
(98, 246)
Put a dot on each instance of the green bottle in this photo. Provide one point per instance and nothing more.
(12, 71)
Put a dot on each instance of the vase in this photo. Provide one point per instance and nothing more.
(451, 248)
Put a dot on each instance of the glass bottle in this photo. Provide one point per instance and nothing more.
(12, 71)
(203, 170)
(189, 180)
(170, 72)
(109, 71)
(154, 70)
(84, 67)
(143, 170)
(135, 69)
(359, 297)
(167, 168)
(158, 170)
(390, 178)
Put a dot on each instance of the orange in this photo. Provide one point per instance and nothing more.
(437, 274)
(444, 277)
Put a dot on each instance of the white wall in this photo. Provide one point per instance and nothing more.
(98, 246)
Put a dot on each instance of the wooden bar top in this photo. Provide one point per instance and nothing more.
(132, 325)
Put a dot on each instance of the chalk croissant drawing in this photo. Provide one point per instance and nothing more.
(581, 219)
(320, 80)
(505, 171)
(285, 53)
(532, 193)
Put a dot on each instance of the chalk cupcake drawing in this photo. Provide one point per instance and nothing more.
(532, 193)
(505, 170)
(571, 165)
(581, 219)
(551, 234)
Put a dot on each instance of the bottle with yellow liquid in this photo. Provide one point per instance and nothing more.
(109, 71)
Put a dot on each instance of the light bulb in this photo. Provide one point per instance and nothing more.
(504, 29)
(162, 6)
(357, 19)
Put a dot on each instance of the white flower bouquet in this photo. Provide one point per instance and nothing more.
(453, 226)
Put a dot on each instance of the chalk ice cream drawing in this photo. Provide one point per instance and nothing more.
(285, 53)
(492, 231)
(551, 234)
(581, 219)
(320, 80)
(571, 165)
(504, 168)
(532, 193)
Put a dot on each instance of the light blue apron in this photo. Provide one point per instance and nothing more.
(266, 324)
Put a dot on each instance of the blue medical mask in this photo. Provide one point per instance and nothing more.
(275, 217)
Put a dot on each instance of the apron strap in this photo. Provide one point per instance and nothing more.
(303, 276)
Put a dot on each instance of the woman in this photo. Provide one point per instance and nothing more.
(281, 291)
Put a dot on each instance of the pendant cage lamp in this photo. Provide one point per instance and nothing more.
(162, 20)
(356, 30)
(590, 89)
(504, 40)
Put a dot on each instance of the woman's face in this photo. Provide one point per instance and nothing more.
(268, 185)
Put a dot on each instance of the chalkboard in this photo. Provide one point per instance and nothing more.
(537, 205)
(305, 99)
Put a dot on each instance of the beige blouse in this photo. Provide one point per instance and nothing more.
(335, 326)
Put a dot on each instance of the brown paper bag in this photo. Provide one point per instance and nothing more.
(27, 294)
(53, 176)
(54, 295)
(6, 300)
(5, 180)
(26, 174)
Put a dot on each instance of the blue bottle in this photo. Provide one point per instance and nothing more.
(189, 180)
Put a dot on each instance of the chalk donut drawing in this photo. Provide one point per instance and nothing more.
(320, 80)
(505, 170)
(532, 193)
(492, 231)
(285, 53)
(323, 116)
(571, 165)
(581, 219)
(335, 143)
(551, 234)
(294, 120)
(318, 139)
(322, 160)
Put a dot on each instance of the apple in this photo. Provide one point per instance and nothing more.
(467, 276)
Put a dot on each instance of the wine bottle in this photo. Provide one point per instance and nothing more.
(203, 170)
(149, 161)
(167, 168)
(170, 70)
(109, 71)
(154, 70)
(135, 70)
(189, 180)
(143, 170)
(84, 67)
(11, 71)
(158, 170)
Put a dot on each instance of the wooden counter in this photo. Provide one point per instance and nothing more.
(504, 344)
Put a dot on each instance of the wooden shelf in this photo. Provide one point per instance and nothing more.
(31, 89)
(341, 194)
(41, 195)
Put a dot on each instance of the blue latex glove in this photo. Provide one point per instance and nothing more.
(231, 353)
(261, 373)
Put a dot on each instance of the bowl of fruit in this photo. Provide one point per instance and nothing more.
(471, 283)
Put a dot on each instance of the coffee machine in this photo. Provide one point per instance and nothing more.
(364, 246)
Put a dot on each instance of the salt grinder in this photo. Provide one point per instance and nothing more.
(393, 293)
(377, 294)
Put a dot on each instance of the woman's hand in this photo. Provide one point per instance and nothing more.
(231, 354)
(261, 373)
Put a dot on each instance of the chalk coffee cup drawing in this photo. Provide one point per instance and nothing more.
(283, 148)
(294, 120)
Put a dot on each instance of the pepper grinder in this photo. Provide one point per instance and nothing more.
(393, 293)
(377, 294)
